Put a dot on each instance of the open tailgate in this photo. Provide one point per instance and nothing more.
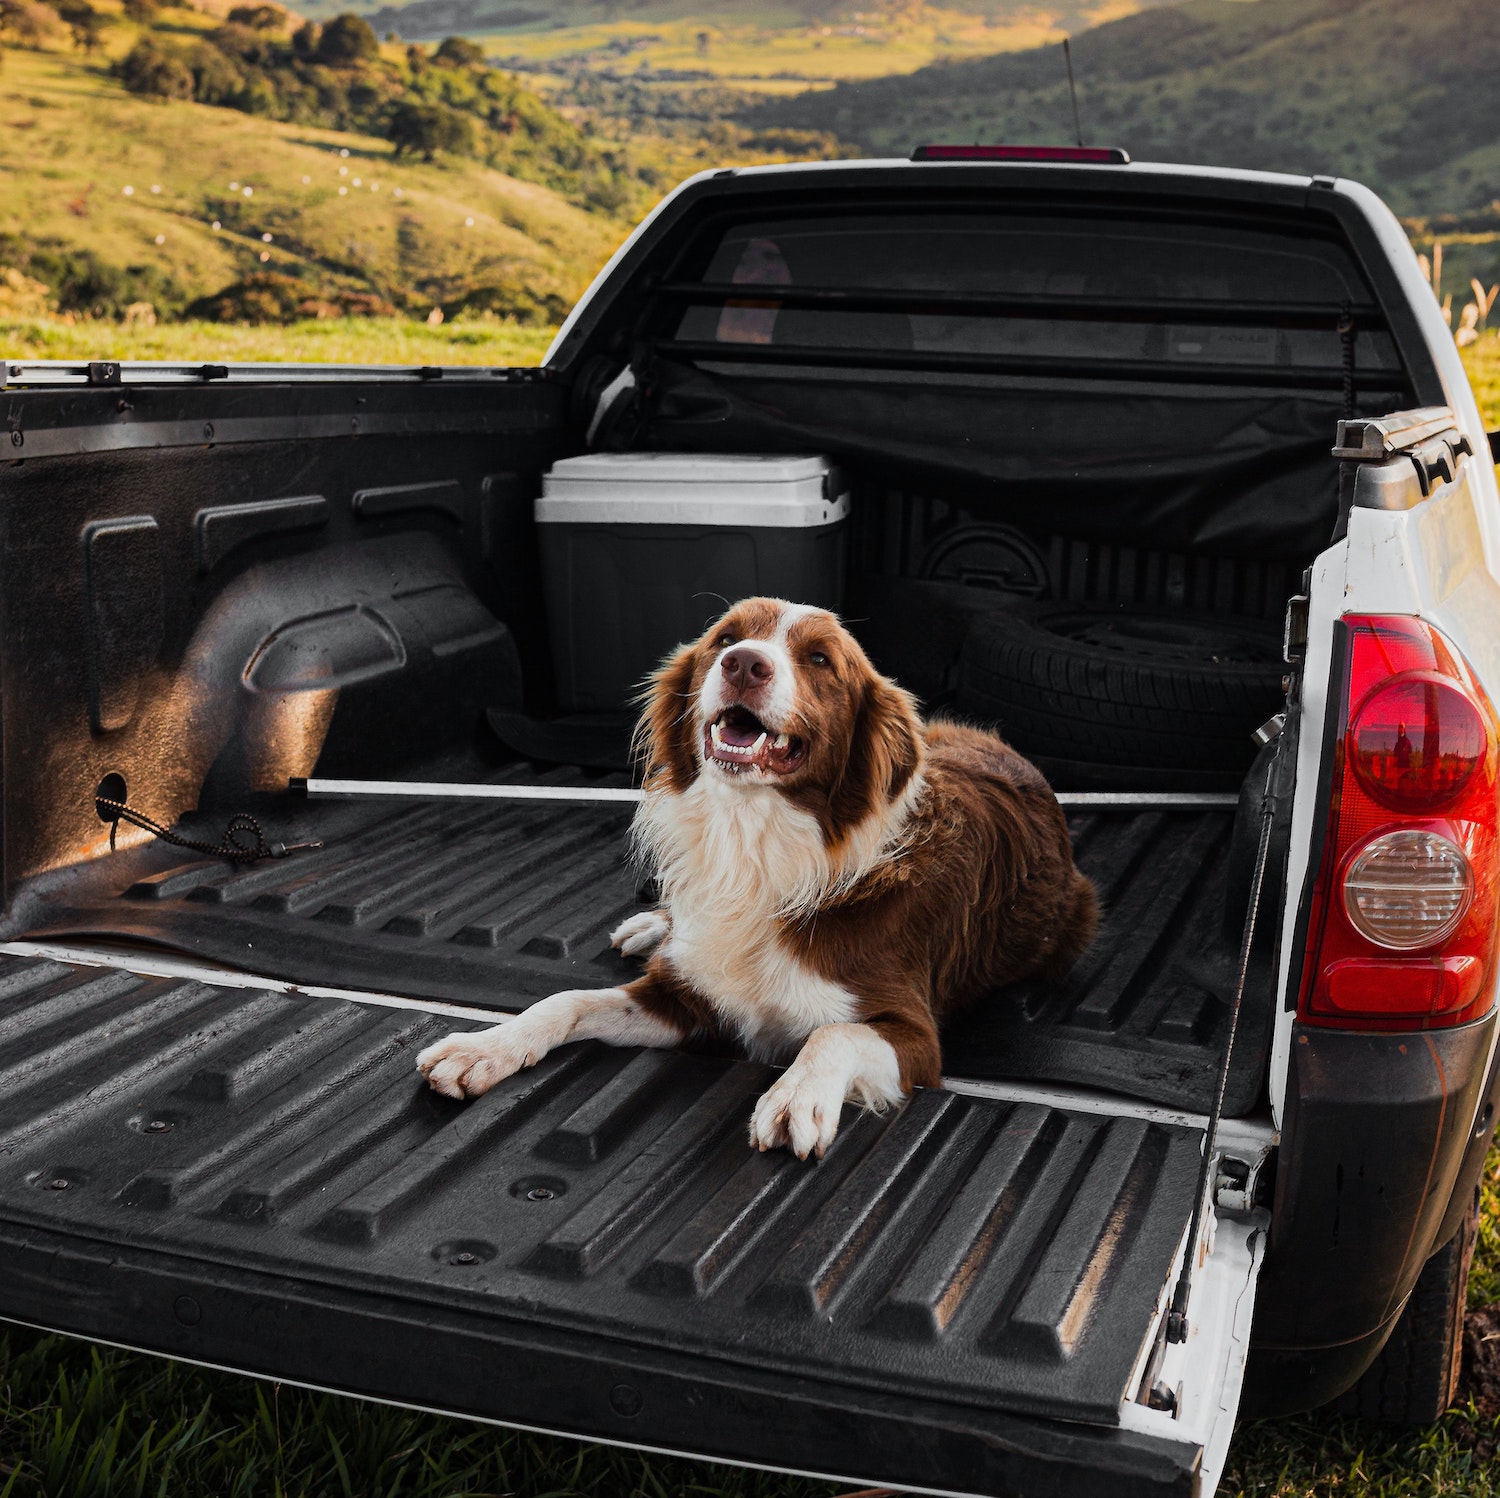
(961, 1297)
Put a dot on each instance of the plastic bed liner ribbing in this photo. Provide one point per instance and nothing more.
(989, 1254)
(499, 905)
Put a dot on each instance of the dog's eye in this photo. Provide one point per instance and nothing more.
(725, 639)
(818, 658)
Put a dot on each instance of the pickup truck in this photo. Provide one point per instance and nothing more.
(1172, 474)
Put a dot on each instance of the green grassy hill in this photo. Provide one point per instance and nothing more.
(163, 156)
(1398, 93)
(166, 201)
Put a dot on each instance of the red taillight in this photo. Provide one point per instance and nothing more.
(1416, 742)
(1402, 920)
(1097, 155)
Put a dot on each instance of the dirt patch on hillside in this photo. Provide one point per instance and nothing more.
(1480, 1381)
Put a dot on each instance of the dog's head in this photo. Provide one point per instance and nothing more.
(779, 697)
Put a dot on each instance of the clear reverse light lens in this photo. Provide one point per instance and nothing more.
(1408, 889)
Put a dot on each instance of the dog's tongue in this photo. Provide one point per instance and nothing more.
(740, 732)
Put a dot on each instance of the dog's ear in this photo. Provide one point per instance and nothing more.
(885, 751)
(665, 737)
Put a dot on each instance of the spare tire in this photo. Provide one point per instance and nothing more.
(1162, 691)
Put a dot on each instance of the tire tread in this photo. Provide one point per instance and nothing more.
(1415, 1376)
(1052, 695)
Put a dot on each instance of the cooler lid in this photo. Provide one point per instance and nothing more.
(693, 489)
(690, 468)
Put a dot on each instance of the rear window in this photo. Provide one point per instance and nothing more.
(1049, 286)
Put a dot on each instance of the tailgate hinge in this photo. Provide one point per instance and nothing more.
(1237, 1179)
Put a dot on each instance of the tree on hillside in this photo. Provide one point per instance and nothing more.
(459, 52)
(216, 80)
(245, 45)
(347, 41)
(27, 23)
(147, 69)
(86, 24)
(430, 128)
(142, 12)
(259, 17)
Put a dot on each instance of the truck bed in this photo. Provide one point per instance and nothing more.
(259, 1180)
(495, 906)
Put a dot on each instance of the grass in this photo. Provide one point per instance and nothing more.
(344, 340)
(1482, 360)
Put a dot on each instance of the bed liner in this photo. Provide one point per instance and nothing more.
(197, 1170)
(497, 905)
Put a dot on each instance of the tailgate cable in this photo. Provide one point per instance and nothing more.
(232, 846)
(1177, 1322)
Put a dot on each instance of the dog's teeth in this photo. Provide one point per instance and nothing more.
(755, 748)
(716, 736)
(782, 741)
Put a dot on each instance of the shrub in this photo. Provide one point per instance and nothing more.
(27, 23)
(347, 41)
(269, 296)
(86, 24)
(147, 69)
(430, 128)
(522, 304)
(216, 80)
(81, 281)
(22, 295)
(245, 45)
(142, 12)
(258, 17)
(459, 52)
(259, 96)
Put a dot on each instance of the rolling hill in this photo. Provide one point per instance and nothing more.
(1398, 93)
(762, 46)
(166, 201)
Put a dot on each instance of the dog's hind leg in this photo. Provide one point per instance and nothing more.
(471, 1062)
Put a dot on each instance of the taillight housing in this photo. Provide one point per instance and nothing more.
(1402, 915)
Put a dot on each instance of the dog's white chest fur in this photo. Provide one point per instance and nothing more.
(729, 861)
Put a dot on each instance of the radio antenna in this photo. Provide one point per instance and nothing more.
(1072, 89)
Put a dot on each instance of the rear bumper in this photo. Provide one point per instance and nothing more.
(1380, 1129)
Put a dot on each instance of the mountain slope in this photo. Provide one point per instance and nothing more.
(1398, 94)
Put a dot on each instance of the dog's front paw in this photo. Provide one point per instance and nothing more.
(801, 1110)
(472, 1062)
(642, 934)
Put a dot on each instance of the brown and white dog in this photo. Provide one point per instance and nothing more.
(835, 880)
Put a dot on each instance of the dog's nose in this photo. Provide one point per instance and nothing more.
(744, 666)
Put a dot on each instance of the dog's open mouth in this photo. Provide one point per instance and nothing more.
(737, 741)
